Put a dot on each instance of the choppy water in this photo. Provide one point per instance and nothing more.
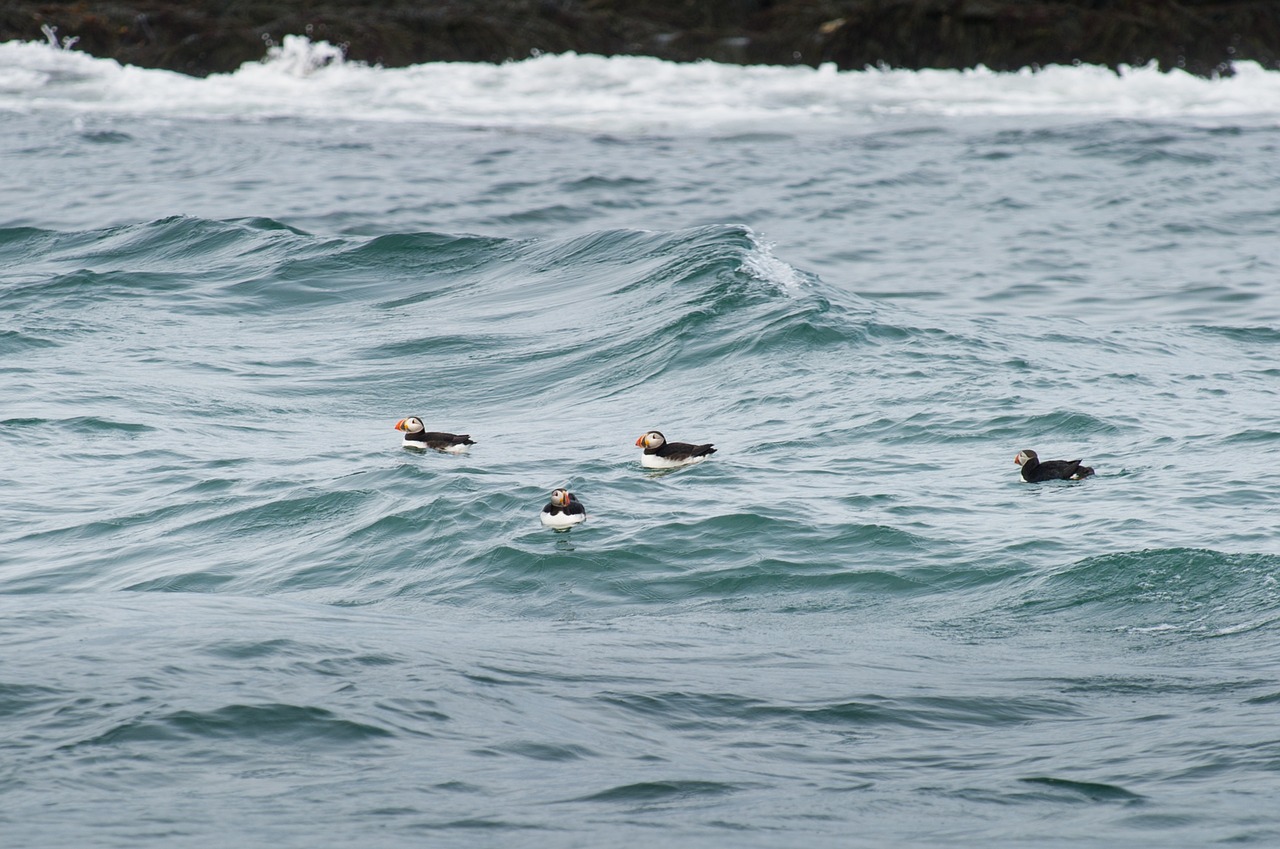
(234, 610)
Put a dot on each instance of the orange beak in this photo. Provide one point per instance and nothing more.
(400, 425)
(1015, 459)
(640, 442)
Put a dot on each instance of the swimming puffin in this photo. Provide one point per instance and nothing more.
(660, 454)
(564, 511)
(417, 436)
(1035, 470)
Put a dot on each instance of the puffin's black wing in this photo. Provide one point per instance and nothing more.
(435, 437)
(1059, 470)
(573, 508)
(681, 450)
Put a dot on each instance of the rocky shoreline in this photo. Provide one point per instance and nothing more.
(1201, 36)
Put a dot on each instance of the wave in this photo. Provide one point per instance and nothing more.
(613, 308)
(278, 724)
(182, 251)
(678, 709)
(305, 79)
(1200, 592)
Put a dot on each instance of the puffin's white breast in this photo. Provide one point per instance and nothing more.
(653, 461)
(422, 446)
(460, 448)
(560, 521)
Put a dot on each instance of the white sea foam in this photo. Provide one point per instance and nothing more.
(763, 264)
(306, 79)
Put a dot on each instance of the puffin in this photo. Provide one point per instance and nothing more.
(417, 436)
(1035, 470)
(563, 511)
(660, 454)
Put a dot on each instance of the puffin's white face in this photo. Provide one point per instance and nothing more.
(413, 424)
(1023, 456)
(652, 439)
(560, 497)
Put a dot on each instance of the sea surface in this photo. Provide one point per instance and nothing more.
(235, 611)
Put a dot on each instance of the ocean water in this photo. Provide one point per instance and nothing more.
(235, 611)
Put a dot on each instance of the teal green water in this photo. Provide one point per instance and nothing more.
(235, 609)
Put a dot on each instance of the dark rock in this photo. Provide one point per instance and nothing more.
(1202, 36)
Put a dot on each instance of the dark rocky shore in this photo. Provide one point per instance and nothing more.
(1201, 36)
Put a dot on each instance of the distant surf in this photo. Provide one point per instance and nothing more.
(300, 78)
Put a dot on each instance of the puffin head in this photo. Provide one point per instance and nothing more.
(413, 424)
(560, 497)
(652, 439)
(1024, 456)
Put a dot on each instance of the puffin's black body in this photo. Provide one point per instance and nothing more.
(416, 435)
(659, 453)
(573, 508)
(439, 440)
(563, 511)
(1035, 470)
(681, 450)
